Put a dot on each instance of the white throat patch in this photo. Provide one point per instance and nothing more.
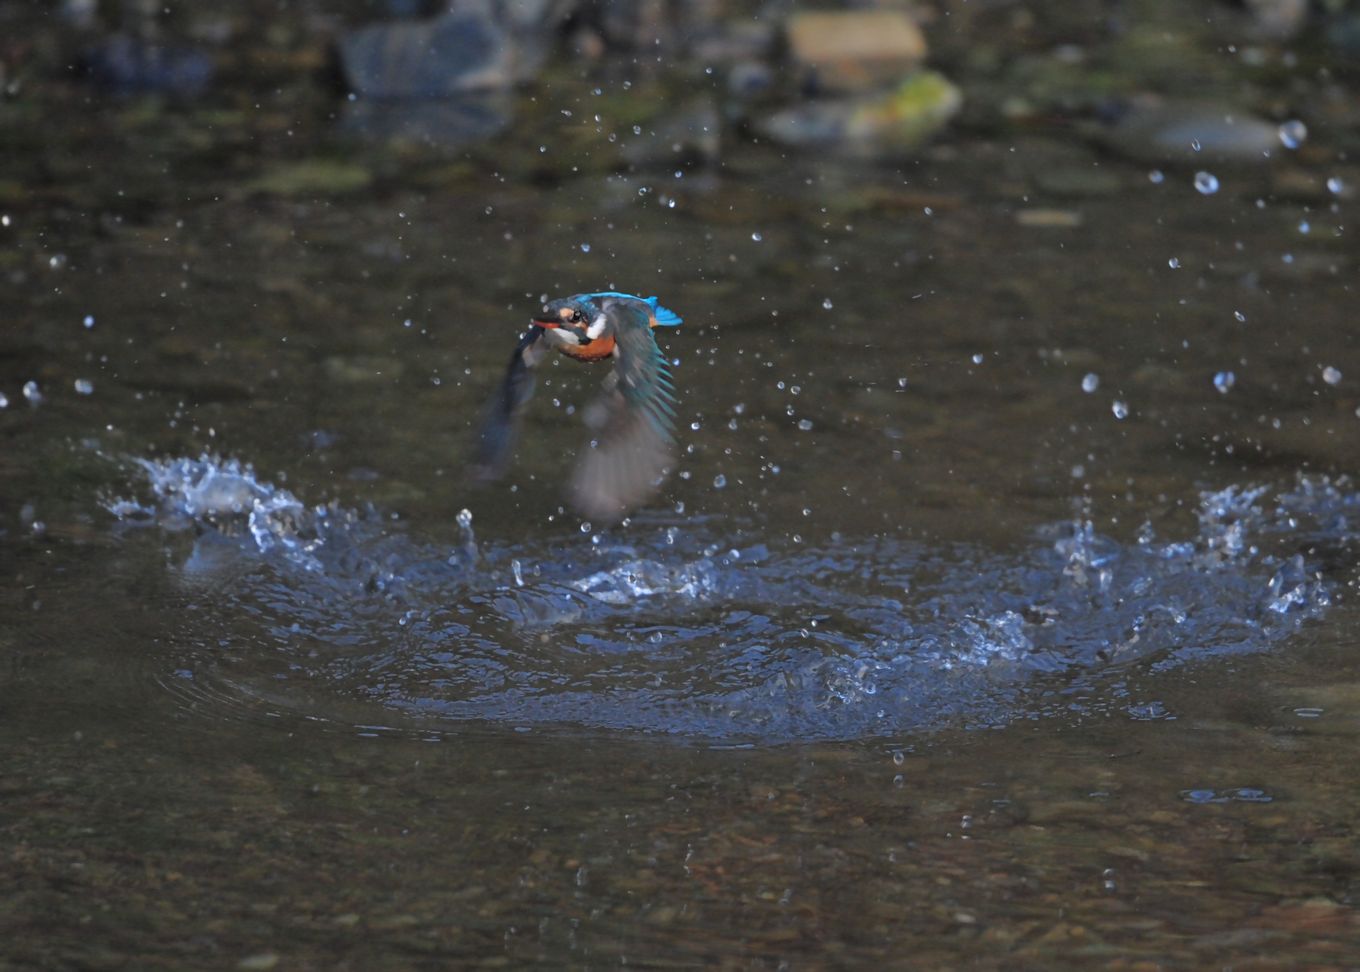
(596, 327)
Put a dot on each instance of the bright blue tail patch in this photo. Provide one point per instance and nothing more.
(664, 316)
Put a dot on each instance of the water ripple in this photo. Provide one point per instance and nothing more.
(689, 630)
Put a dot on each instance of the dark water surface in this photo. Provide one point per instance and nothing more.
(928, 654)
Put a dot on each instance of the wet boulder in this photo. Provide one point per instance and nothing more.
(853, 51)
(473, 47)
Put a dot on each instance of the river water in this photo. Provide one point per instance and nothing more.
(999, 612)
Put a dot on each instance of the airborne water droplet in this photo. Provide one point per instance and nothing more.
(1224, 381)
(1293, 133)
(1174, 263)
(1331, 375)
(1156, 177)
(757, 236)
(84, 386)
(826, 304)
(1090, 383)
(719, 481)
(1335, 186)
(1240, 316)
(1206, 183)
(1120, 409)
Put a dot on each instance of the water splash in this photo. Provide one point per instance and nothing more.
(690, 628)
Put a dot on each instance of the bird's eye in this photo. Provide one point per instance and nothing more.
(576, 317)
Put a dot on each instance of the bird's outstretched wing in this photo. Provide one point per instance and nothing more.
(632, 422)
(496, 433)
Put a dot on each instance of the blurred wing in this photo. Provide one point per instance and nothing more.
(632, 447)
(496, 434)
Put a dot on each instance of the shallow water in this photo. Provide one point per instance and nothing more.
(985, 620)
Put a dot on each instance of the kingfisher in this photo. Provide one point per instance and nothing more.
(632, 422)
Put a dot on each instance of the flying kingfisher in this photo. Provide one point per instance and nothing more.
(631, 422)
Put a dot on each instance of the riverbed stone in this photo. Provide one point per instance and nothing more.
(1162, 130)
(854, 51)
(869, 125)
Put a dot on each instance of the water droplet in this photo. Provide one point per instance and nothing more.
(1240, 316)
(757, 236)
(4, 401)
(32, 394)
(1090, 383)
(84, 386)
(1293, 133)
(719, 481)
(1287, 258)
(1335, 186)
(1224, 381)
(518, 573)
(1305, 226)
(464, 518)
(89, 321)
(56, 261)
(805, 424)
(1174, 263)
(1120, 409)
(1195, 145)
(4, 220)
(1206, 183)
(585, 527)
(1156, 177)
(1331, 375)
(977, 359)
(585, 247)
(826, 304)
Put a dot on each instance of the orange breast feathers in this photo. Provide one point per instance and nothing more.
(594, 350)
